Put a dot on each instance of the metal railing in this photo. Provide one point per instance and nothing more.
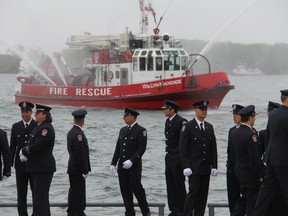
(160, 206)
(212, 206)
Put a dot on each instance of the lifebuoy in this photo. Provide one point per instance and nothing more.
(128, 56)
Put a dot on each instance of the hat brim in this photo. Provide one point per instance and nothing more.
(164, 107)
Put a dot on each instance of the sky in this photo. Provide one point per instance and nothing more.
(48, 23)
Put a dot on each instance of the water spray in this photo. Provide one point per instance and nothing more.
(204, 50)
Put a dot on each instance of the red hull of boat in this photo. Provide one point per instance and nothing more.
(184, 90)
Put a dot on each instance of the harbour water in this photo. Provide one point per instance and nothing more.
(102, 127)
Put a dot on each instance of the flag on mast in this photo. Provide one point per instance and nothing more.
(148, 8)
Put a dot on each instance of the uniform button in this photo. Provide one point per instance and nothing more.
(203, 158)
(124, 144)
(26, 135)
(123, 156)
(125, 137)
(123, 149)
(203, 144)
(25, 141)
(204, 152)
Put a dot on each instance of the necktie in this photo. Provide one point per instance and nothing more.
(201, 128)
(129, 127)
(26, 126)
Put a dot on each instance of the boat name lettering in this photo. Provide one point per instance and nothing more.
(93, 91)
(159, 84)
(58, 91)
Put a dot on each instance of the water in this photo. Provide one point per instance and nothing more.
(102, 127)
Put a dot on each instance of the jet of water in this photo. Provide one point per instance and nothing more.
(211, 42)
(59, 71)
(49, 52)
(24, 57)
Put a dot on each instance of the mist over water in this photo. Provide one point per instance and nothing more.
(102, 127)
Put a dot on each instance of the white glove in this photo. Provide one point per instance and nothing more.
(23, 158)
(85, 176)
(127, 164)
(214, 172)
(113, 170)
(187, 172)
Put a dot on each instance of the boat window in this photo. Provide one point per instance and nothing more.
(143, 53)
(184, 62)
(136, 53)
(150, 61)
(135, 63)
(158, 52)
(171, 60)
(159, 63)
(142, 63)
(117, 74)
(182, 52)
(124, 75)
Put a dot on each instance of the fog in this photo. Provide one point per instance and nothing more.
(48, 23)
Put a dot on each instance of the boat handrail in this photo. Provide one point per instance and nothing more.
(160, 206)
(212, 206)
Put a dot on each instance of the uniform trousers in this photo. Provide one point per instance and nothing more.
(233, 190)
(22, 179)
(176, 191)
(246, 202)
(40, 183)
(276, 180)
(76, 195)
(130, 183)
(196, 198)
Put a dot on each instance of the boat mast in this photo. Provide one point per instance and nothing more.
(144, 20)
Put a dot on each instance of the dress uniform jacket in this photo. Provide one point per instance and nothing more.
(277, 161)
(277, 134)
(5, 153)
(197, 151)
(77, 144)
(131, 145)
(19, 138)
(41, 144)
(229, 164)
(233, 185)
(78, 164)
(172, 134)
(175, 180)
(248, 166)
